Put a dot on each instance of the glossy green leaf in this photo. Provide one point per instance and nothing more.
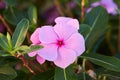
(97, 19)
(4, 42)
(20, 32)
(48, 75)
(84, 29)
(7, 73)
(107, 62)
(64, 74)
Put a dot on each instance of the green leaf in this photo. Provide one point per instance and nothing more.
(21, 48)
(32, 48)
(7, 73)
(13, 15)
(32, 12)
(107, 62)
(4, 53)
(48, 75)
(109, 74)
(9, 40)
(84, 29)
(20, 32)
(97, 19)
(4, 42)
(64, 74)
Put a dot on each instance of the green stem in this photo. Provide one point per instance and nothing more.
(65, 75)
(83, 68)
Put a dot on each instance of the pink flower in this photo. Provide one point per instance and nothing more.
(109, 5)
(62, 43)
(35, 40)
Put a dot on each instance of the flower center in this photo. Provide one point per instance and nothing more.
(60, 43)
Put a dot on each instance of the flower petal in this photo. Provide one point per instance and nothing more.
(67, 21)
(40, 59)
(62, 20)
(95, 4)
(35, 36)
(74, 23)
(110, 6)
(77, 43)
(49, 52)
(32, 54)
(47, 35)
(64, 31)
(65, 57)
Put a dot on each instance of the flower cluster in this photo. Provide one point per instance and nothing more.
(62, 42)
(109, 5)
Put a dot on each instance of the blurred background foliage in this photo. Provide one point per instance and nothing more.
(102, 39)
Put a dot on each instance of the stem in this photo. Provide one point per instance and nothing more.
(65, 75)
(25, 63)
(82, 10)
(35, 66)
(6, 25)
(83, 68)
(59, 8)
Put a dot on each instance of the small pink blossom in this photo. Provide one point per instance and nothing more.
(35, 40)
(62, 42)
(109, 5)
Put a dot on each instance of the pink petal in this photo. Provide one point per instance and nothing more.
(67, 21)
(95, 4)
(74, 23)
(32, 54)
(77, 43)
(40, 59)
(35, 36)
(49, 52)
(64, 31)
(47, 35)
(62, 20)
(88, 9)
(65, 57)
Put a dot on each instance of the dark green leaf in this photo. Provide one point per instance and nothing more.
(48, 75)
(20, 32)
(97, 19)
(13, 15)
(108, 62)
(64, 74)
(4, 42)
(4, 53)
(7, 73)
(84, 29)
(109, 74)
